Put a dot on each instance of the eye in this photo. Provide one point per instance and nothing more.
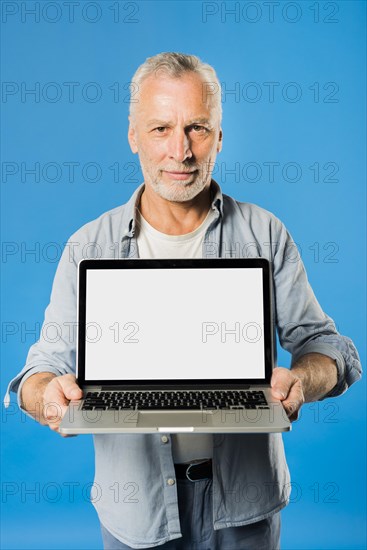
(198, 129)
(160, 129)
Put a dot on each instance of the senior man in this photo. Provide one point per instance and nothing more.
(179, 211)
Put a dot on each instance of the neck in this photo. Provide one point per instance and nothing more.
(174, 218)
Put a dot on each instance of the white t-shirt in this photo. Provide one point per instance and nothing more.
(154, 244)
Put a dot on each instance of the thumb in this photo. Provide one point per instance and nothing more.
(75, 393)
(71, 389)
(278, 392)
(279, 384)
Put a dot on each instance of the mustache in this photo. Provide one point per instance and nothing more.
(189, 166)
(182, 168)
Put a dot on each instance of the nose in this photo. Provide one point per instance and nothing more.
(179, 146)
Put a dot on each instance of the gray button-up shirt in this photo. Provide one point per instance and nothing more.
(135, 491)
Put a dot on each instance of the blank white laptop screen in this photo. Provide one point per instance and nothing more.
(163, 324)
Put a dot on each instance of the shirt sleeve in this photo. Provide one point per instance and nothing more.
(55, 350)
(302, 325)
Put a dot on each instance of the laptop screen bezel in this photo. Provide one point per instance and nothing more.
(138, 263)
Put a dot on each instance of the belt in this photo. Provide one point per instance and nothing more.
(194, 471)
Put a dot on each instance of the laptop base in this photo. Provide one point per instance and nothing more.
(273, 419)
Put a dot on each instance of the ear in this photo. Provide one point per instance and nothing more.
(131, 136)
(220, 141)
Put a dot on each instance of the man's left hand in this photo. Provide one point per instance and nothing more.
(287, 387)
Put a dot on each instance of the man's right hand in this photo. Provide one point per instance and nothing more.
(46, 397)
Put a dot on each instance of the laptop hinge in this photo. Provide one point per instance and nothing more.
(175, 387)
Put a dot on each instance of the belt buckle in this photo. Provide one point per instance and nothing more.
(192, 465)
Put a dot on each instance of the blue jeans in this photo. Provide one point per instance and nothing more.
(196, 518)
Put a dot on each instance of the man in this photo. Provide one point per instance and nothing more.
(179, 211)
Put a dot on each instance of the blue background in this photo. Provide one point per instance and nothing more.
(326, 449)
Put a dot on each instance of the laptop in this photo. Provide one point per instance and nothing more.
(175, 346)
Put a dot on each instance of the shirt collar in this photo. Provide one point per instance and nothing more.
(129, 213)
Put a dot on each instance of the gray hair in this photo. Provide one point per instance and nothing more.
(175, 65)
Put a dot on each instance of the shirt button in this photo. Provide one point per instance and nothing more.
(170, 481)
(164, 439)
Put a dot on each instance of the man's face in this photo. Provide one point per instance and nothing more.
(176, 132)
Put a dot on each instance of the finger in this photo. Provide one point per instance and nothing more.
(55, 403)
(54, 425)
(292, 417)
(294, 401)
(54, 412)
(291, 408)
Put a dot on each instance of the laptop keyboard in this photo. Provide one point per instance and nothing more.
(177, 400)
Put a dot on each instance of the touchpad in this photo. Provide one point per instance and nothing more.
(185, 421)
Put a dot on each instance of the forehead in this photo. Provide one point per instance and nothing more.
(163, 95)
